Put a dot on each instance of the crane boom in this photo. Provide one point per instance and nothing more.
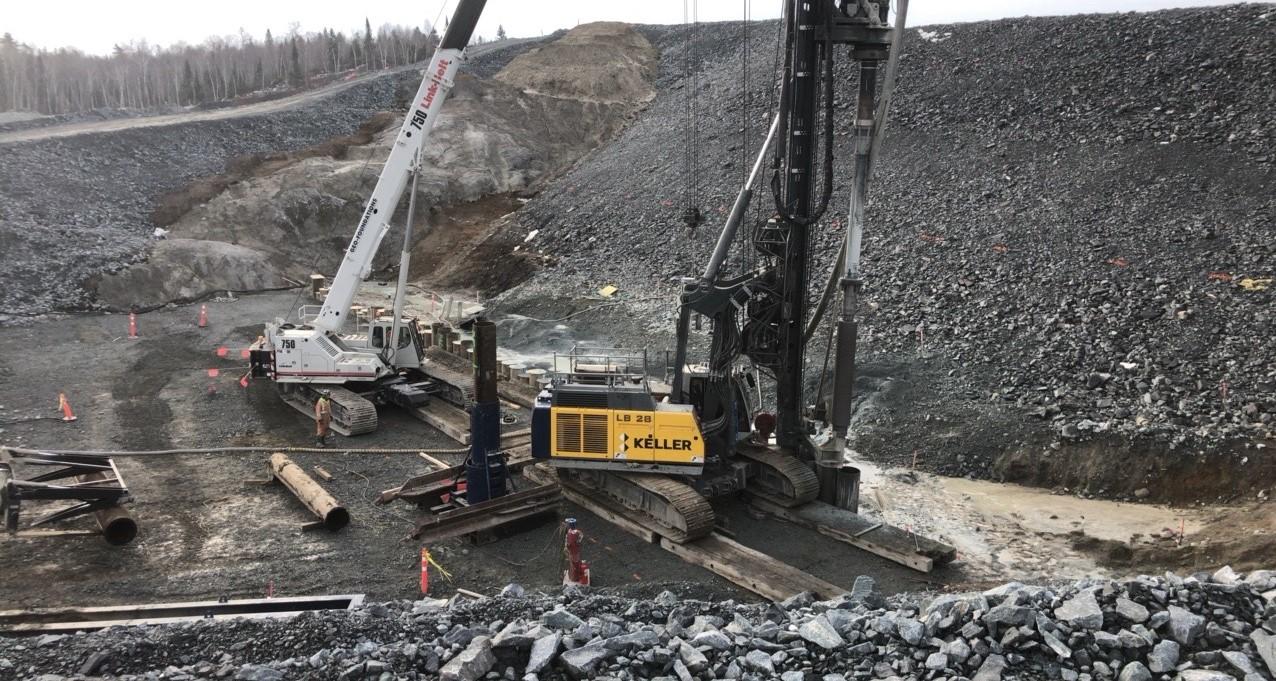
(375, 221)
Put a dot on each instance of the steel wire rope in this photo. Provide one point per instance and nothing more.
(26, 451)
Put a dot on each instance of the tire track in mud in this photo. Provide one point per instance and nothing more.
(145, 421)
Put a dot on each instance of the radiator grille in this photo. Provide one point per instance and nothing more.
(595, 438)
(565, 397)
(582, 433)
(327, 346)
(569, 432)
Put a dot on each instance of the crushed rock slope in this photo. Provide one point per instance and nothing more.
(1073, 212)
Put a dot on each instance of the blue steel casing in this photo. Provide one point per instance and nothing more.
(485, 473)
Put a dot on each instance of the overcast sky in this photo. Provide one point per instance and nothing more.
(95, 25)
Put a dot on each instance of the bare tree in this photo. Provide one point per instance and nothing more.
(137, 75)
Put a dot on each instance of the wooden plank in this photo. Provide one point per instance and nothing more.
(437, 463)
(445, 418)
(92, 625)
(545, 474)
(753, 570)
(739, 564)
(454, 422)
(323, 473)
(42, 533)
(8, 618)
(892, 543)
(517, 438)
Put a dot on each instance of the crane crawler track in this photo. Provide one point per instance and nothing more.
(454, 387)
(782, 478)
(670, 508)
(351, 413)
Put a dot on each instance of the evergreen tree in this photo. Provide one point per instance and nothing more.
(295, 75)
(189, 95)
(500, 32)
(367, 43)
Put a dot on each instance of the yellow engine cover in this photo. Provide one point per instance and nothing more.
(667, 436)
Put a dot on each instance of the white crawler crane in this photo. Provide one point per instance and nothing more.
(379, 363)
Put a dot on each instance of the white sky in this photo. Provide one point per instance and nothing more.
(95, 25)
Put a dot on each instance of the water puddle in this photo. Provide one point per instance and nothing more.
(1011, 532)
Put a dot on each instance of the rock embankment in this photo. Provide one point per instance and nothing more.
(1219, 627)
(1074, 213)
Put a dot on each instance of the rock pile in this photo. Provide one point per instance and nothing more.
(1075, 209)
(1205, 627)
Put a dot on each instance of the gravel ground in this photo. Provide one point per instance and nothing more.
(1069, 240)
(208, 530)
(1201, 628)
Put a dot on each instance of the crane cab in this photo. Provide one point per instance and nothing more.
(302, 353)
(407, 351)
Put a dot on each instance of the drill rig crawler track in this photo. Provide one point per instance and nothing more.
(671, 508)
(674, 509)
(780, 478)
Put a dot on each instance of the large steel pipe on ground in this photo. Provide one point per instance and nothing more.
(117, 524)
(334, 515)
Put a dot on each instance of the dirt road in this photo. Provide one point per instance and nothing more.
(254, 109)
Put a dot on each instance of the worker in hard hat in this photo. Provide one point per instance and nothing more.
(323, 417)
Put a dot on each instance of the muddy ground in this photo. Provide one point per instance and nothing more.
(208, 529)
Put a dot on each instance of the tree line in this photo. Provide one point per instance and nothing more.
(141, 76)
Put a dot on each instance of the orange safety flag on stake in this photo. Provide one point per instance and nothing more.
(223, 351)
(244, 354)
(425, 571)
(203, 316)
(214, 373)
(243, 381)
(65, 407)
(132, 325)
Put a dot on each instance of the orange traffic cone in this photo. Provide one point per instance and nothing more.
(67, 414)
(132, 325)
(203, 316)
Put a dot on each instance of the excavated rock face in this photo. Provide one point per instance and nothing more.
(78, 207)
(599, 62)
(499, 136)
(188, 269)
